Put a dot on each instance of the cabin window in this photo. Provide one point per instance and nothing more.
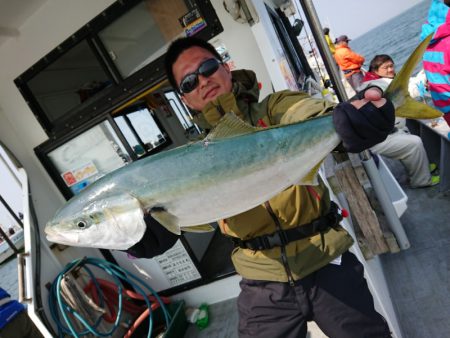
(142, 34)
(89, 156)
(180, 110)
(142, 130)
(75, 78)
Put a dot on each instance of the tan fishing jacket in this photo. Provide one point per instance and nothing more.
(294, 206)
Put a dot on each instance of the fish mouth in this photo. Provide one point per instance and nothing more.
(61, 237)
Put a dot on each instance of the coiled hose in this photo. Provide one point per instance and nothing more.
(102, 292)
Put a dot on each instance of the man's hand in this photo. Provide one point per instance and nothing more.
(156, 240)
(365, 121)
(371, 94)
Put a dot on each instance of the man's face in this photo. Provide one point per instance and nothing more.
(208, 88)
(386, 69)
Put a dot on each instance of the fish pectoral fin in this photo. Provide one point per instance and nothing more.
(413, 109)
(199, 228)
(169, 221)
(231, 125)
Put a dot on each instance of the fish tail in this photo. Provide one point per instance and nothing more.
(412, 109)
(398, 91)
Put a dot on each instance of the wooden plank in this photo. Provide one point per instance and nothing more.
(359, 236)
(363, 179)
(359, 204)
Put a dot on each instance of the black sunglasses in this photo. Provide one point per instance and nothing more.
(206, 69)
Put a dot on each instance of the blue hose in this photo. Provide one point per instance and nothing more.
(56, 301)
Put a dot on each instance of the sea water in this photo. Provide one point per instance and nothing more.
(397, 37)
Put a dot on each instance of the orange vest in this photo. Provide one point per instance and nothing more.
(349, 61)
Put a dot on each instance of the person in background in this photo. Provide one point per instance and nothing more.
(436, 59)
(349, 61)
(310, 274)
(400, 144)
(326, 33)
(14, 320)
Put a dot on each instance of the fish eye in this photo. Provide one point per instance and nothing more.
(81, 224)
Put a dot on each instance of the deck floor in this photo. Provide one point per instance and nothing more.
(419, 278)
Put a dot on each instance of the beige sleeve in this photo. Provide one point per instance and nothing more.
(305, 109)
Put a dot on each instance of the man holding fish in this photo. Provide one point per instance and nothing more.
(291, 252)
(256, 174)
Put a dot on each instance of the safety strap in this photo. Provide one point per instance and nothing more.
(282, 237)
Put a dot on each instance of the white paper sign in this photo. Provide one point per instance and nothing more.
(177, 265)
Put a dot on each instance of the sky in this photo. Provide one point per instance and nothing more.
(356, 17)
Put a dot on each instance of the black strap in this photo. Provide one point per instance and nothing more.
(282, 237)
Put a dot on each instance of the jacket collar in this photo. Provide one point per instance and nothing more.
(245, 85)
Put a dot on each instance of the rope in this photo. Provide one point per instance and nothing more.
(105, 292)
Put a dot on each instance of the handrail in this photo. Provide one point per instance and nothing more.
(21, 278)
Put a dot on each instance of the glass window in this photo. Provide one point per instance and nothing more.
(74, 78)
(180, 109)
(89, 156)
(142, 34)
(129, 135)
(141, 130)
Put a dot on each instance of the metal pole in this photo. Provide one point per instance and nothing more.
(330, 63)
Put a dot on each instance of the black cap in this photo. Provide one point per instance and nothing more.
(342, 38)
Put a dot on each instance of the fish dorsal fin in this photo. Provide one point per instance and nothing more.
(230, 125)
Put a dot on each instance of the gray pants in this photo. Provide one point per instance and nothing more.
(409, 149)
(336, 297)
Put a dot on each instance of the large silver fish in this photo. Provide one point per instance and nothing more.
(236, 168)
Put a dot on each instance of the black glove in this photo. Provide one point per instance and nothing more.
(360, 129)
(156, 240)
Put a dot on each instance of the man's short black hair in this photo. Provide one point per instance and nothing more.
(179, 46)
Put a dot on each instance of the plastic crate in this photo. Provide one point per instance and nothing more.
(398, 197)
